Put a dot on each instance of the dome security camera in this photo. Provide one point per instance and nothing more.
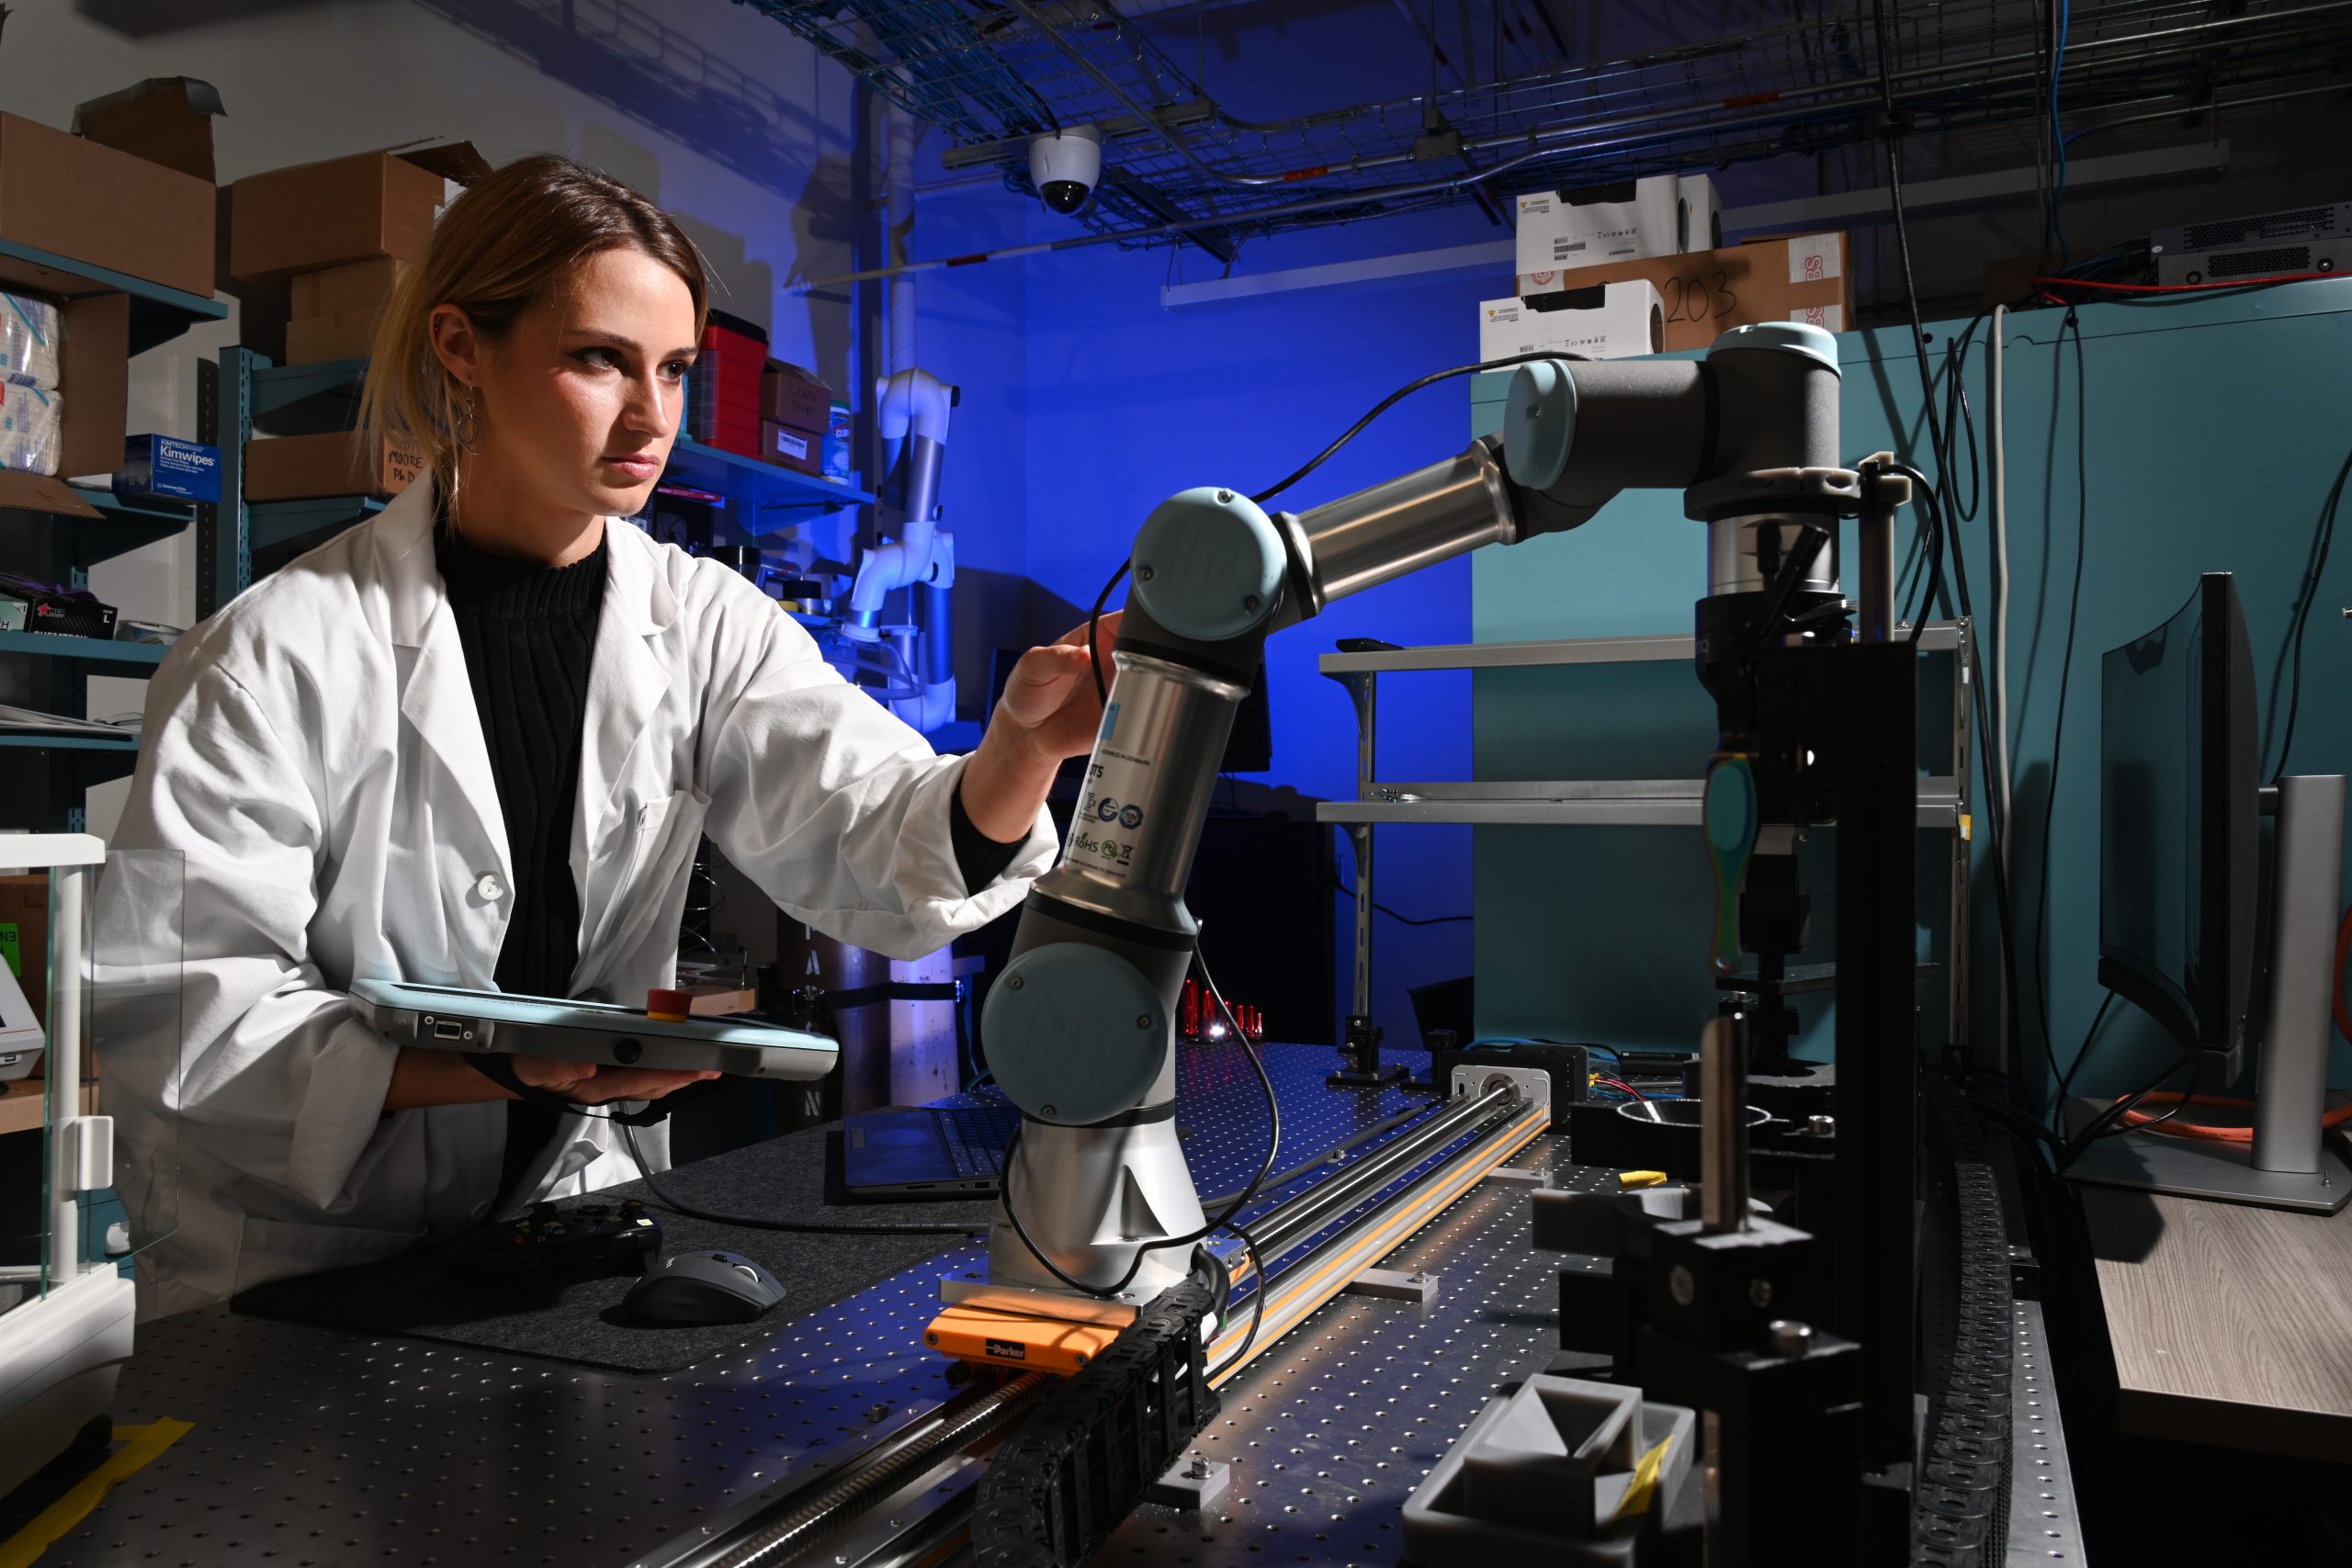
(1066, 165)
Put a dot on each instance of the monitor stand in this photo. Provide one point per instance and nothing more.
(2290, 1163)
(2223, 1173)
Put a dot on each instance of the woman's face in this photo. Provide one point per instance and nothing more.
(581, 401)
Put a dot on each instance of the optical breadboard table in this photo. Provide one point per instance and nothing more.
(319, 1446)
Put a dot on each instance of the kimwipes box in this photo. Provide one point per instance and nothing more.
(1661, 215)
(1710, 292)
(344, 211)
(1606, 321)
(299, 467)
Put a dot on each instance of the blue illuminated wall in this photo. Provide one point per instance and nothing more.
(2211, 431)
(1087, 402)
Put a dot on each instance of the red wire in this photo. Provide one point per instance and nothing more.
(2334, 1118)
(2188, 288)
(1620, 1084)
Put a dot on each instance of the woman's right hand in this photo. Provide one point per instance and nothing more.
(589, 1083)
(423, 1077)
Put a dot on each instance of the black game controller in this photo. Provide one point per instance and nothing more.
(549, 1247)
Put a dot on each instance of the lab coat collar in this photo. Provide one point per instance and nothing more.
(436, 697)
(638, 598)
(626, 681)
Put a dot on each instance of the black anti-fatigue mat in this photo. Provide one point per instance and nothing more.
(785, 1177)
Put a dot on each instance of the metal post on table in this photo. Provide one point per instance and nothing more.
(1360, 1042)
(1364, 689)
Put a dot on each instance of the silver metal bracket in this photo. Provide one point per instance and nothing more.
(1513, 1175)
(1532, 1082)
(1416, 1285)
(1195, 1482)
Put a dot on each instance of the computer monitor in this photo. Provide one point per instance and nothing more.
(2179, 791)
(2180, 802)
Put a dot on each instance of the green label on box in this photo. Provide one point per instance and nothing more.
(8, 949)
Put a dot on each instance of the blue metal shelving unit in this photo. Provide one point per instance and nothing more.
(157, 314)
(127, 746)
(770, 497)
(88, 649)
(246, 393)
(65, 548)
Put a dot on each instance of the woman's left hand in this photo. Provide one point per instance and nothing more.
(1049, 711)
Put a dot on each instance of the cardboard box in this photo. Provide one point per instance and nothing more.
(317, 339)
(790, 395)
(168, 469)
(344, 211)
(331, 291)
(1606, 321)
(92, 380)
(24, 936)
(1710, 292)
(801, 450)
(299, 467)
(165, 120)
(1661, 215)
(91, 203)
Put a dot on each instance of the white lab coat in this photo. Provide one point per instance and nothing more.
(315, 754)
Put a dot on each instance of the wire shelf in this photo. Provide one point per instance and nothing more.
(1177, 164)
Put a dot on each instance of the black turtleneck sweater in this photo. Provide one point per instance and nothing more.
(529, 636)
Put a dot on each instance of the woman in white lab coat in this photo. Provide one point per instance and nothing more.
(451, 746)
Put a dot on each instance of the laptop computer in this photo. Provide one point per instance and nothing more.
(956, 1150)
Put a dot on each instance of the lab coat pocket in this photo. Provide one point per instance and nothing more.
(641, 862)
(649, 827)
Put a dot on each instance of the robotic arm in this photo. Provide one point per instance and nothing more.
(1079, 1026)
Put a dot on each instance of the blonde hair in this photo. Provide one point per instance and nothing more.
(498, 248)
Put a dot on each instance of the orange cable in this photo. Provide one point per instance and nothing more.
(2335, 1118)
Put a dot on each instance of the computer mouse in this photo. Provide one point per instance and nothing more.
(703, 1287)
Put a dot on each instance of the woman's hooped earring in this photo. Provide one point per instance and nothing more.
(468, 429)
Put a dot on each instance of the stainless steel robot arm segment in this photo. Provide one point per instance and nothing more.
(1078, 1028)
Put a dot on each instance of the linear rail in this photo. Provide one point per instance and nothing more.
(1500, 1121)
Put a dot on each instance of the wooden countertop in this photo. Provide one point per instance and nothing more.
(2232, 1325)
(22, 1106)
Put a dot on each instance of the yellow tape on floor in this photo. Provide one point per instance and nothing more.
(50, 1524)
